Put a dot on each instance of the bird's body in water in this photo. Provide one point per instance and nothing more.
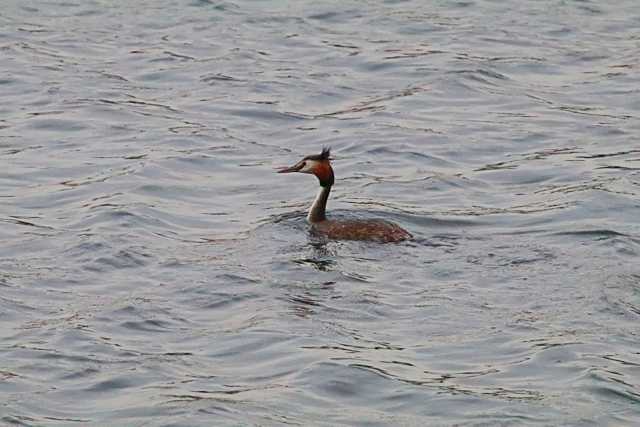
(370, 229)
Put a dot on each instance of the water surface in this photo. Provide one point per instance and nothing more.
(155, 271)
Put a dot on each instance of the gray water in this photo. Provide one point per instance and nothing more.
(155, 271)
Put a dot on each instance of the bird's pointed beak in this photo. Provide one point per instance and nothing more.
(294, 168)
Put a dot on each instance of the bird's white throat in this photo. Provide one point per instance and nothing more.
(319, 206)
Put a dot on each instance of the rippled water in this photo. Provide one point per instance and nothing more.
(154, 271)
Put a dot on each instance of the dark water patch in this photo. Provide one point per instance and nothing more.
(220, 77)
(224, 301)
(604, 155)
(122, 259)
(481, 75)
(620, 295)
(58, 125)
(148, 325)
(604, 234)
(110, 385)
(24, 222)
(610, 388)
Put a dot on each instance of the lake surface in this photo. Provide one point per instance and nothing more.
(155, 271)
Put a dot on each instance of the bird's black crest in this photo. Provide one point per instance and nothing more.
(324, 155)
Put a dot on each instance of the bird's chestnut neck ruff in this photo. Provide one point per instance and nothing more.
(324, 172)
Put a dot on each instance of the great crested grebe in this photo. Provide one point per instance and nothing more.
(371, 229)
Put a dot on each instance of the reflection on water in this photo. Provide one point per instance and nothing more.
(156, 271)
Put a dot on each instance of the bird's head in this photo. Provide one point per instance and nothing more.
(316, 164)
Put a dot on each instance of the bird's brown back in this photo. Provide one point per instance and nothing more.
(373, 230)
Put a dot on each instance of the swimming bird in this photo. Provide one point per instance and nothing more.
(353, 229)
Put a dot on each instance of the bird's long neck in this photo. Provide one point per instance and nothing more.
(318, 208)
